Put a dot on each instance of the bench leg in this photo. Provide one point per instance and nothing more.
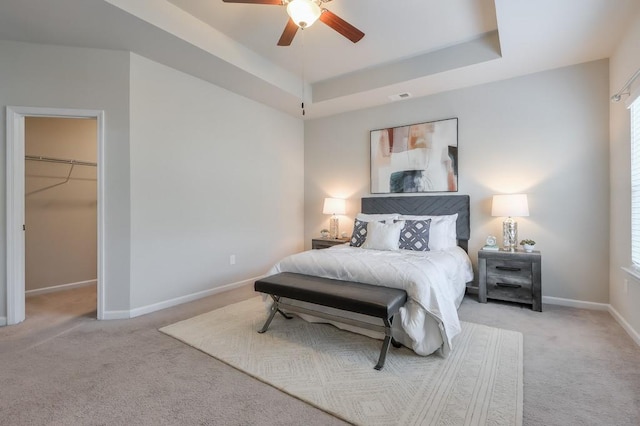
(385, 345)
(274, 309)
(284, 314)
(383, 353)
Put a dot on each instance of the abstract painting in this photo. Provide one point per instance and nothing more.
(420, 157)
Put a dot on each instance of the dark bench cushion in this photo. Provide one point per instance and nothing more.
(367, 299)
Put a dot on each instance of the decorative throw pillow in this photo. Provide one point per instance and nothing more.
(359, 234)
(415, 235)
(383, 236)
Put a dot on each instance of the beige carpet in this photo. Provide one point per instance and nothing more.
(479, 383)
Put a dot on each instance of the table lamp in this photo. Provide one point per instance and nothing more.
(509, 206)
(334, 206)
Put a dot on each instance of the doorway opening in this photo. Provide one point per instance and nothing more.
(54, 205)
(60, 216)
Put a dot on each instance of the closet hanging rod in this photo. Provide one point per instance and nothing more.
(59, 160)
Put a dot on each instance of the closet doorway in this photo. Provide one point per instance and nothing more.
(60, 216)
(54, 207)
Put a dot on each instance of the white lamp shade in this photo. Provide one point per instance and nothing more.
(510, 205)
(303, 12)
(334, 206)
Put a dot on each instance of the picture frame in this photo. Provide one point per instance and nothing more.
(420, 157)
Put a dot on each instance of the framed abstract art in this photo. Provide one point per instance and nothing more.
(421, 157)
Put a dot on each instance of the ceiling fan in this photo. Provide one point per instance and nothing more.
(303, 13)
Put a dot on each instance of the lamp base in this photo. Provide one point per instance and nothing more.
(333, 227)
(509, 234)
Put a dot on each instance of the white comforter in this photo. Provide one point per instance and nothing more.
(435, 282)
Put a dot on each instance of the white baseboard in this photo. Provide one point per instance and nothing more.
(61, 287)
(572, 303)
(598, 307)
(627, 327)
(116, 315)
(3, 321)
(189, 298)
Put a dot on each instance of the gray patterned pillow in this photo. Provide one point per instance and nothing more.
(359, 233)
(415, 235)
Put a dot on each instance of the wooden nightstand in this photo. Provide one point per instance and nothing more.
(322, 243)
(510, 276)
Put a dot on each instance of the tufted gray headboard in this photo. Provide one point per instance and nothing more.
(426, 205)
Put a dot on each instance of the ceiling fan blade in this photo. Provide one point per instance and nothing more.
(289, 32)
(341, 26)
(276, 2)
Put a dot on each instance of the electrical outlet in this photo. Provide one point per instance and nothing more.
(626, 286)
(232, 259)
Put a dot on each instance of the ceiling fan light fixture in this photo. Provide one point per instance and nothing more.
(304, 12)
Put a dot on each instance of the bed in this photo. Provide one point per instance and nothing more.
(435, 280)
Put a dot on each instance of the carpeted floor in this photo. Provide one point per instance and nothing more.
(580, 368)
(479, 383)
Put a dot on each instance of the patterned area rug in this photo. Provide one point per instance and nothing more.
(480, 383)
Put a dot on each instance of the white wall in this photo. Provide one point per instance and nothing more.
(61, 232)
(545, 134)
(623, 64)
(35, 75)
(212, 174)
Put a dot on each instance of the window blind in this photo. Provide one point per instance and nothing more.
(635, 182)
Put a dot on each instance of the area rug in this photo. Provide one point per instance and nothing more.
(480, 383)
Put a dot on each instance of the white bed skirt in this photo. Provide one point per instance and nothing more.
(432, 344)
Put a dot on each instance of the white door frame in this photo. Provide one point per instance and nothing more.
(15, 203)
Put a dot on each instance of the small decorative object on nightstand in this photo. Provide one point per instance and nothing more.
(322, 243)
(514, 276)
(528, 245)
(491, 244)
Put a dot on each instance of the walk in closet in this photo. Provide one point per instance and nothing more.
(60, 205)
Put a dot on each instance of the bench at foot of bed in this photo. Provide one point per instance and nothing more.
(366, 299)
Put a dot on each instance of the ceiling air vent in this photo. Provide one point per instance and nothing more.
(400, 96)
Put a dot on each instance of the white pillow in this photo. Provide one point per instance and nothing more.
(383, 236)
(363, 217)
(442, 232)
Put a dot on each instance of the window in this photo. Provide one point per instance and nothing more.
(635, 182)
